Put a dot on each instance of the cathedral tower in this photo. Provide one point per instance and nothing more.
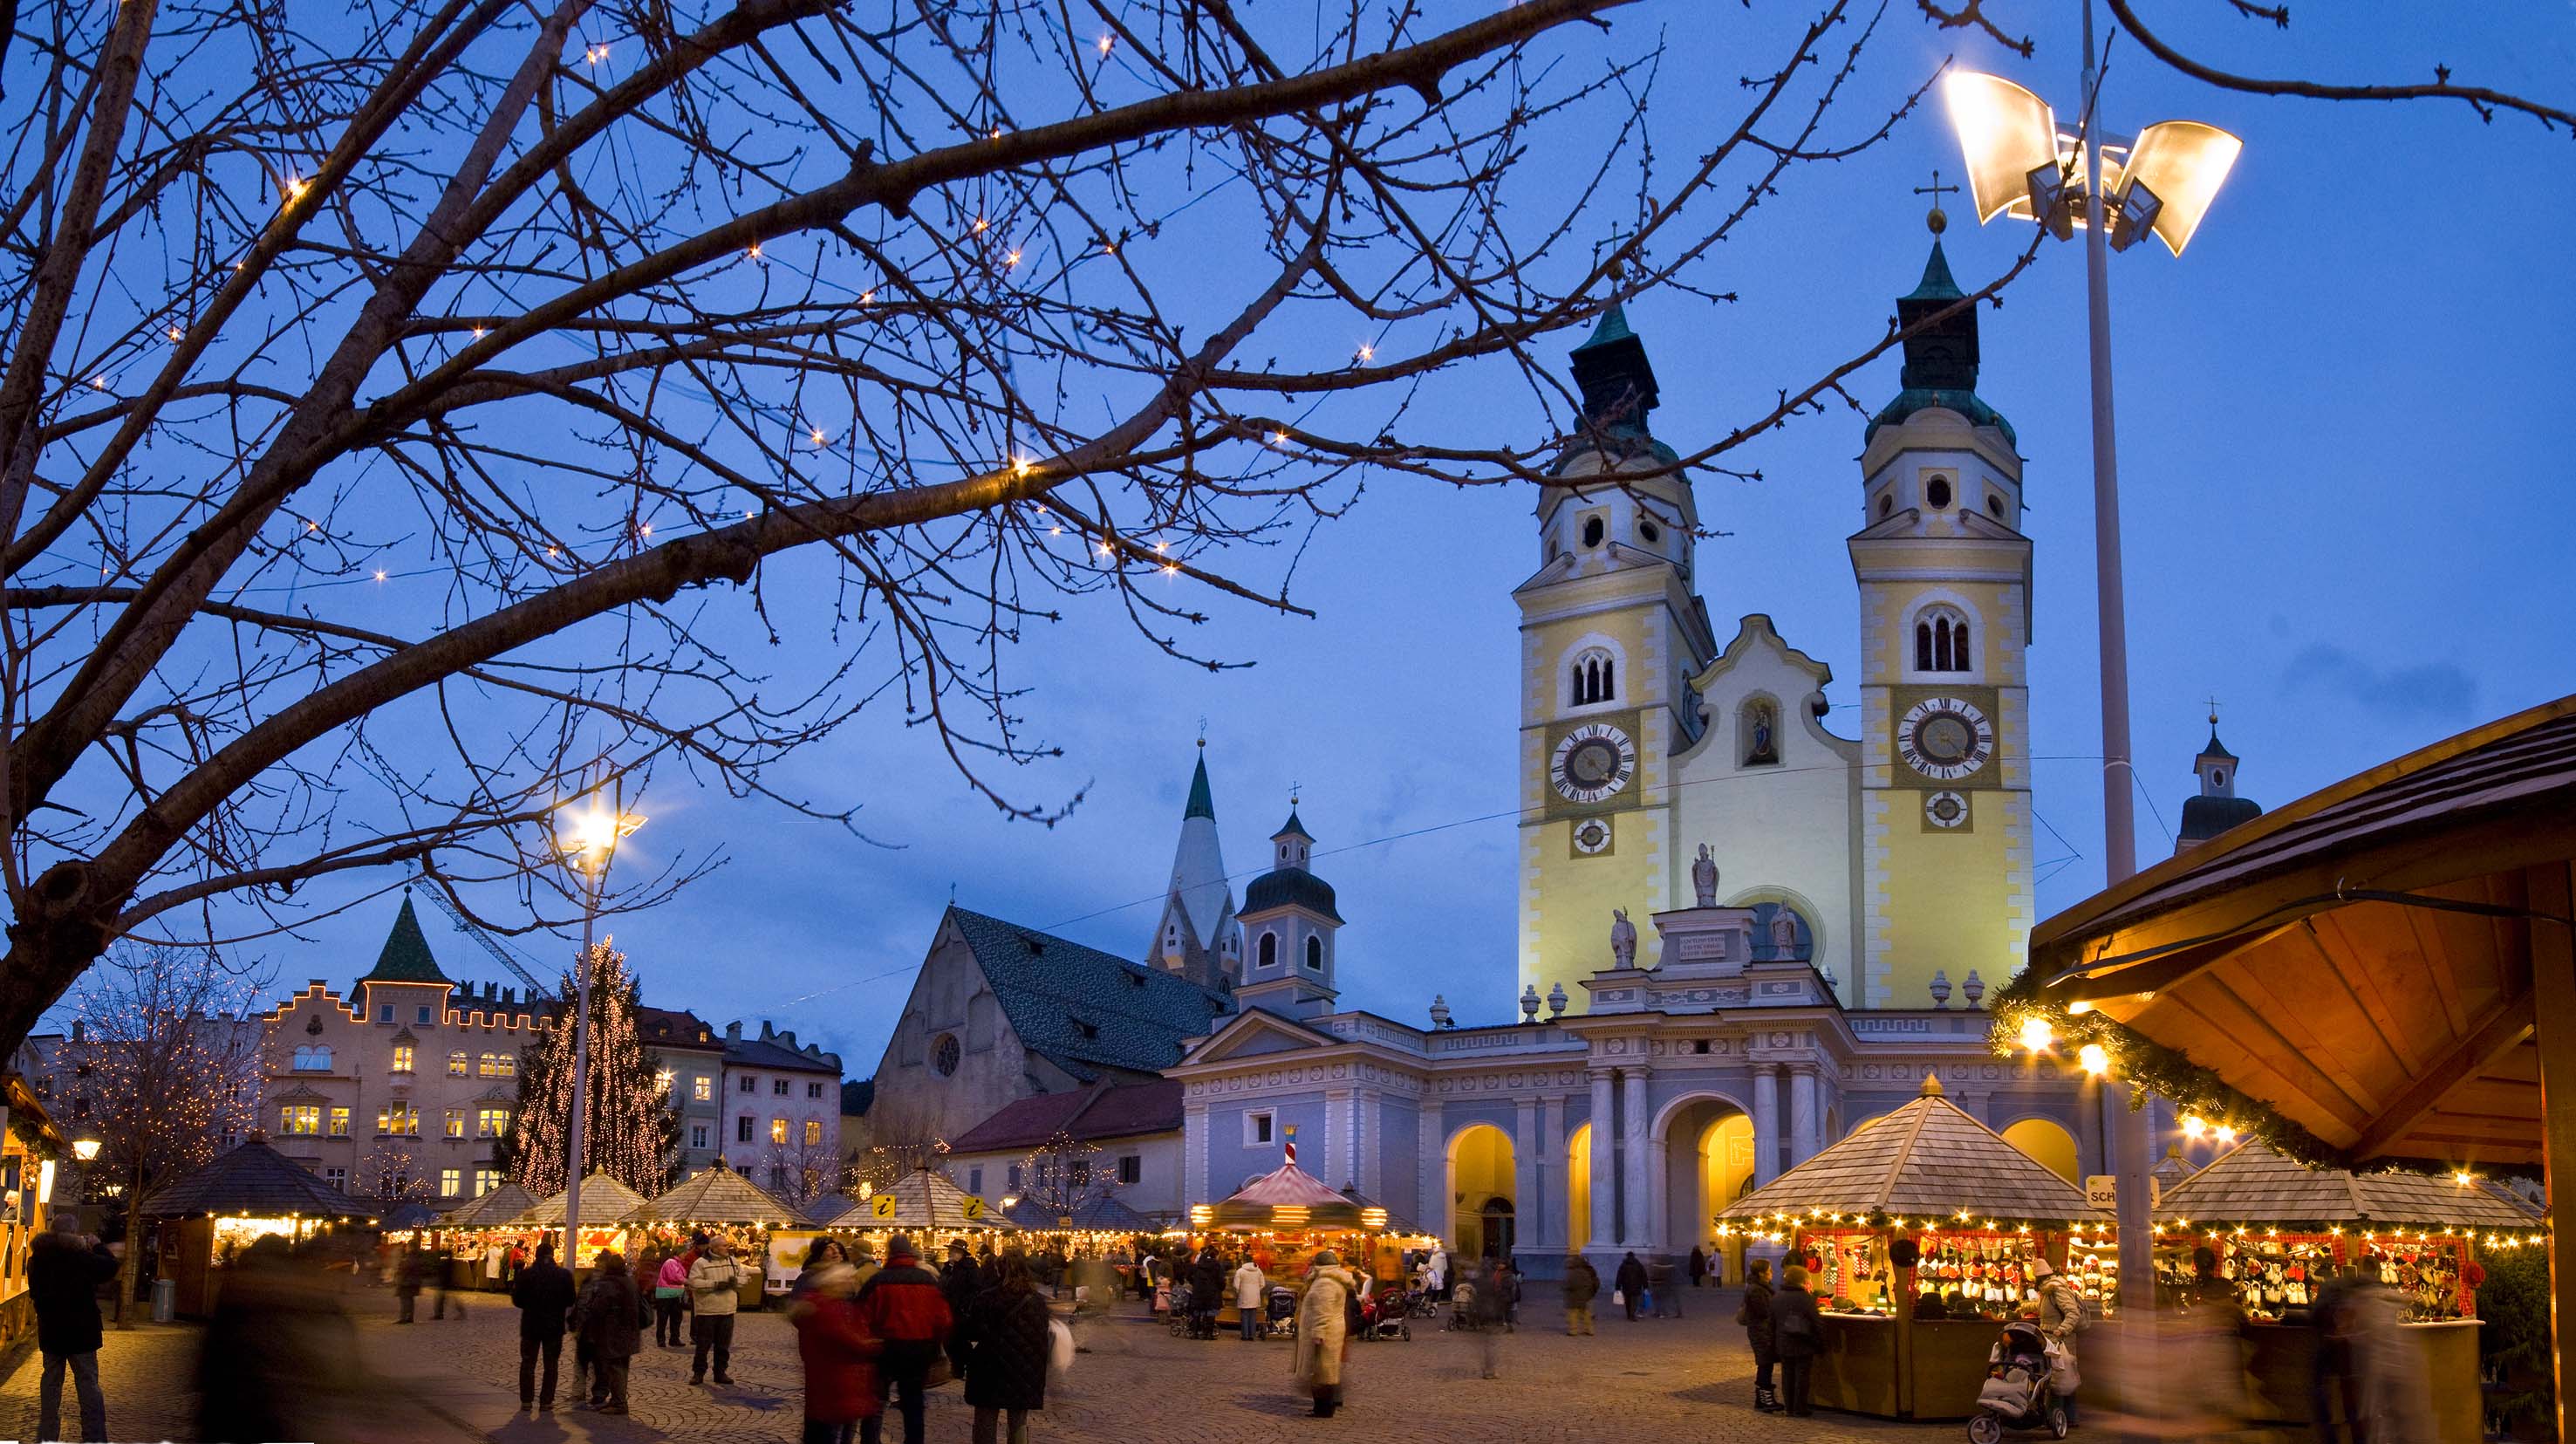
(1944, 574)
(1196, 936)
(1610, 631)
(1290, 927)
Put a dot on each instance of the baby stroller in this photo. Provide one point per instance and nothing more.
(1418, 1304)
(2016, 1394)
(1279, 1312)
(1382, 1316)
(1177, 1317)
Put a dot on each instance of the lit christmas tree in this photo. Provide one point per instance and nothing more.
(633, 1131)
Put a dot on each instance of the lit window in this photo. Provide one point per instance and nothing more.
(813, 1132)
(505, 1065)
(402, 1057)
(455, 1122)
(339, 1122)
(662, 1080)
(450, 1180)
(399, 1119)
(486, 1180)
(702, 1088)
(778, 1130)
(457, 1063)
(485, 1065)
(300, 1118)
(491, 1122)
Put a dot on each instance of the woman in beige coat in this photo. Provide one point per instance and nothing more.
(1323, 1331)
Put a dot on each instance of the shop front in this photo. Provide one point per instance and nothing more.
(208, 1219)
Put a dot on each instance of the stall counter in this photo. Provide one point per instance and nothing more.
(2279, 1358)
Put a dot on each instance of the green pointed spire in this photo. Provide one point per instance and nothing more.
(1613, 326)
(1202, 801)
(406, 958)
(1937, 283)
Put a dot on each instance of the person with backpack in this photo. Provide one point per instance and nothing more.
(1800, 1330)
(1759, 1332)
(715, 1284)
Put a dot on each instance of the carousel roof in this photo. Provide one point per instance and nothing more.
(715, 1195)
(1276, 1197)
(493, 1209)
(254, 1181)
(1099, 1215)
(604, 1200)
(1930, 1158)
(920, 1200)
(2255, 1183)
(1288, 1184)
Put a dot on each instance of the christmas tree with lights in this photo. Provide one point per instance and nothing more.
(632, 1130)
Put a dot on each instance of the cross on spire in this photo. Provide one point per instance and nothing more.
(2213, 711)
(1937, 220)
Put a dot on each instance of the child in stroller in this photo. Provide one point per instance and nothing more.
(1179, 1316)
(1279, 1312)
(2016, 1394)
(1383, 1316)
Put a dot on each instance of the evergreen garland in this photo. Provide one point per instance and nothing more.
(633, 1131)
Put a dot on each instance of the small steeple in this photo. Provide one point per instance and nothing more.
(1202, 802)
(1611, 370)
(406, 957)
(2217, 808)
(1292, 842)
(2215, 766)
(1940, 359)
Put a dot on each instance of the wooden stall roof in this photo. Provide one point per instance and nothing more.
(923, 1200)
(1926, 1159)
(824, 1208)
(2361, 960)
(2255, 1183)
(254, 1181)
(715, 1195)
(1096, 1215)
(496, 1209)
(604, 1201)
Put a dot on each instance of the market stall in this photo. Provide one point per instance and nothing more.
(721, 1202)
(31, 1149)
(208, 1217)
(605, 1206)
(2272, 1231)
(924, 1206)
(1925, 1204)
(481, 1232)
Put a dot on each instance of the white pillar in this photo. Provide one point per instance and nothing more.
(1659, 1209)
(1194, 1156)
(1806, 1121)
(1364, 1143)
(1766, 1123)
(1336, 1164)
(1550, 1225)
(1633, 1226)
(1605, 1167)
(1432, 1159)
(1527, 1203)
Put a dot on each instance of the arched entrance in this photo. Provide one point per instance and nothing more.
(2054, 1147)
(1481, 1192)
(1578, 1188)
(1706, 1145)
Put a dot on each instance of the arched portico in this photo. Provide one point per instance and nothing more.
(1703, 1155)
(2047, 1140)
(1482, 1193)
(1578, 1188)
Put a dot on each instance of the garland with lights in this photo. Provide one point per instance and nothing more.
(632, 1131)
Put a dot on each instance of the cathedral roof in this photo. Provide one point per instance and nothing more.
(1289, 886)
(406, 957)
(1940, 359)
(1082, 1009)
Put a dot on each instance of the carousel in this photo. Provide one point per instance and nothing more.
(209, 1217)
(2259, 1234)
(722, 1203)
(1284, 1217)
(1921, 1232)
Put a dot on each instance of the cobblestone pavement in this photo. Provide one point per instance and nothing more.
(450, 1381)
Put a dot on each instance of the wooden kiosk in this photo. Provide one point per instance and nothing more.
(208, 1217)
(720, 1201)
(605, 1206)
(1978, 1211)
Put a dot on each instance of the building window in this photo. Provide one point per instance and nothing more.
(1257, 1129)
(486, 1180)
(315, 1058)
(1077, 1173)
(339, 1122)
(336, 1177)
(697, 1135)
(1593, 531)
(1995, 504)
(1131, 1168)
(778, 1178)
(300, 1118)
(813, 1132)
(1314, 953)
(1015, 1178)
(662, 1080)
(778, 1130)
(702, 1088)
(1937, 492)
(778, 1087)
(813, 1090)
(1595, 677)
(384, 1012)
(402, 1057)
(1941, 641)
(457, 1063)
(398, 1120)
(486, 1065)
(455, 1122)
(450, 1182)
(742, 1129)
(975, 1180)
(1650, 532)
(750, 1084)
(491, 1122)
(946, 1054)
(1886, 504)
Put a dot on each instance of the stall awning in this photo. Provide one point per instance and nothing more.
(254, 1181)
(714, 1195)
(604, 1202)
(412, 1215)
(1928, 1160)
(2253, 1183)
(496, 1209)
(920, 1201)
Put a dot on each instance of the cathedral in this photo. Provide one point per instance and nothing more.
(1741, 934)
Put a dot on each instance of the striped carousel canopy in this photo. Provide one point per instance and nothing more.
(1290, 1197)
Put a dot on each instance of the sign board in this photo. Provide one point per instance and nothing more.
(2102, 1191)
(974, 1209)
(787, 1247)
(882, 1205)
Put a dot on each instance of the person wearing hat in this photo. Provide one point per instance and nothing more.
(64, 1269)
(1799, 1331)
(903, 1306)
(715, 1292)
(959, 1282)
(2061, 1313)
(1323, 1329)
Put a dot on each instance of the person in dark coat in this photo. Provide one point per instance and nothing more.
(1698, 1267)
(1799, 1332)
(543, 1294)
(1582, 1285)
(444, 1261)
(1755, 1315)
(959, 1283)
(1207, 1293)
(613, 1314)
(1008, 1344)
(1630, 1281)
(64, 1270)
(278, 1359)
(408, 1279)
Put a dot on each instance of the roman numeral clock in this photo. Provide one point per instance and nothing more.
(1591, 772)
(1945, 749)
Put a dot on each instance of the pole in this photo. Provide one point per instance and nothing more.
(580, 1074)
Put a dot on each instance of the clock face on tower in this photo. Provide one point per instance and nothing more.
(1592, 763)
(1945, 738)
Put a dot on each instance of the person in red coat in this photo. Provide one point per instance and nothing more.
(839, 1353)
(902, 1306)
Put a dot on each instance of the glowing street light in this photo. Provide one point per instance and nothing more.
(589, 841)
(2036, 1034)
(2095, 1059)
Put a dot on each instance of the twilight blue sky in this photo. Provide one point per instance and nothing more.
(2344, 505)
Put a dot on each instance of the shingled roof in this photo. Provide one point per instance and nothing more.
(2254, 1183)
(1926, 1158)
(604, 1201)
(494, 1209)
(715, 1195)
(254, 1181)
(1084, 1010)
(406, 957)
(1103, 1110)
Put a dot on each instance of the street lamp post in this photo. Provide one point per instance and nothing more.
(2116, 191)
(590, 845)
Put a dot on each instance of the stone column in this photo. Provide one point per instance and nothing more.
(1551, 1226)
(1194, 1156)
(1604, 1165)
(1333, 1161)
(1529, 1204)
(1806, 1121)
(1432, 1160)
(1634, 1231)
(1766, 1123)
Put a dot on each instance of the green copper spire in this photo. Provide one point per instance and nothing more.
(1202, 801)
(406, 958)
(1937, 284)
(1613, 326)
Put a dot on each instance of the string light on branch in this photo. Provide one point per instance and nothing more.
(755, 250)
(1013, 259)
(595, 54)
(1105, 42)
(293, 188)
(1367, 352)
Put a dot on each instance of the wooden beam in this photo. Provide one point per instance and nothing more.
(2498, 1032)
(2553, 993)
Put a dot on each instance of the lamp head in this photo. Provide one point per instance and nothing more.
(85, 1148)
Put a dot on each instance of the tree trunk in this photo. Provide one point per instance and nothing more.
(133, 1258)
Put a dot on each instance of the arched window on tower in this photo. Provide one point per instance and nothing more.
(1269, 949)
(1941, 641)
(1314, 954)
(1594, 677)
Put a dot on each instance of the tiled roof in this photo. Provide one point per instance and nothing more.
(763, 1053)
(254, 1181)
(1082, 1009)
(604, 1201)
(495, 1208)
(1926, 1158)
(1103, 1110)
(675, 1028)
(406, 957)
(2254, 1183)
(715, 1195)
(923, 1200)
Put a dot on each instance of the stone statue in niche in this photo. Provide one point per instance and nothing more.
(1623, 939)
(1784, 934)
(1761, 734)
(1704, 877)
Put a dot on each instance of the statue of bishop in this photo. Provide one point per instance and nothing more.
(1704, 877)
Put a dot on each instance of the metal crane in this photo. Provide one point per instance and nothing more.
(507, 956)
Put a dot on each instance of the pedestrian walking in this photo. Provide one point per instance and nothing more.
(279, 1358)
(64, 1270)
(1799, 1333)
(715, 1292)
(1665, 1299)
(903, 1307)
(2061, 1314)
(543, 1295)
(1324, 1331)
(1249, 1286)
(1582, 1286)
(670, 1293)
(1008, 1344)
(838, 1352)
(409, 1274)
(959, 1283)
(1435, 1275)
(1207, 1294)
(1759, 1332)
(612, 1324)
(1698, 1266)
(1630, 1283)
(1489, 1315)
(444, 1261)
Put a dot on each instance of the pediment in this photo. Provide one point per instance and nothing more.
(1253, 1034)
